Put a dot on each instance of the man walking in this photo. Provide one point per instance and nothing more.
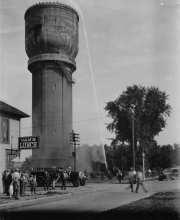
(139, 180)
(130, 178)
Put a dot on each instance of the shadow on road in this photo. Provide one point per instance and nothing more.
(115, 215)
(160, 206)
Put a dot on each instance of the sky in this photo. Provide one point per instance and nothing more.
(121, 43)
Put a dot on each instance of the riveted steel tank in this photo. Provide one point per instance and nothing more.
(51, 43)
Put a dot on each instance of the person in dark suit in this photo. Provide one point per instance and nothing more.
(46, 181)
(64, 177)
(33, 184)
(16, 188)
(6, 182)
(9, 179)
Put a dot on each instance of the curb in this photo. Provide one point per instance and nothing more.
(124, 181)
(27, 202)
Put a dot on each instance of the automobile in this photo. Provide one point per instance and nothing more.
(174, 173)
(169, 174)
(77, 178)
(164, 174)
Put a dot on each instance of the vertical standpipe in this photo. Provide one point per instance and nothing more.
(51, 40)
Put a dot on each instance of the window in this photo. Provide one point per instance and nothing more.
(54, 87)
(5, 130)
(175, 171)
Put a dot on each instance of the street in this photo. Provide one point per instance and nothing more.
(101, 197)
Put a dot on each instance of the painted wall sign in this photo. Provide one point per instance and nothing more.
(27, 143)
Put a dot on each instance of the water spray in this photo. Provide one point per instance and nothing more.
(90, 65)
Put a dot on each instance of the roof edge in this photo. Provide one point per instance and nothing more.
(4, 107)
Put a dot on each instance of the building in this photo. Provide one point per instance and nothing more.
(51, 40)
(10, 122)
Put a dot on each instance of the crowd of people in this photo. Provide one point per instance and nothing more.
(15, 182)
(54, 175)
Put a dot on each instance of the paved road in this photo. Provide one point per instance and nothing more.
(103, 197)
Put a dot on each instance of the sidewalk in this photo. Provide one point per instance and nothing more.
(41, 194)
(91, 186)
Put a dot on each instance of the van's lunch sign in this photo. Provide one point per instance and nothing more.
(27, 143)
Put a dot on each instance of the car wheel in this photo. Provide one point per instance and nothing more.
(167, 177)
(160, 179)
(82, 182)
(75, 182)
(40, 181)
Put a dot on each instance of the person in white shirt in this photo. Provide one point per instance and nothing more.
(11, 190)
(149, 172)
(139, 181)
(16, 174)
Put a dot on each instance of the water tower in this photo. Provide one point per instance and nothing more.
(51, 39)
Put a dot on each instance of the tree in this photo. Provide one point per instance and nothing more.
(27, 164)
(147, 107)
(119, 157)
(177, 154)
(166, 156)
(153, 156)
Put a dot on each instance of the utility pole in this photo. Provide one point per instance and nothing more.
(143, 157)
(74, 138)
(11, 148)
(133, 150)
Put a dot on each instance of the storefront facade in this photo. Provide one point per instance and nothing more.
(10, 125)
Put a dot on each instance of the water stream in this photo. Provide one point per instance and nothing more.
(90, 65)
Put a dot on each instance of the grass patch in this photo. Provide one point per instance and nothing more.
(160, 206)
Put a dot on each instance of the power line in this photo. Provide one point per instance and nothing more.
(86, 120)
